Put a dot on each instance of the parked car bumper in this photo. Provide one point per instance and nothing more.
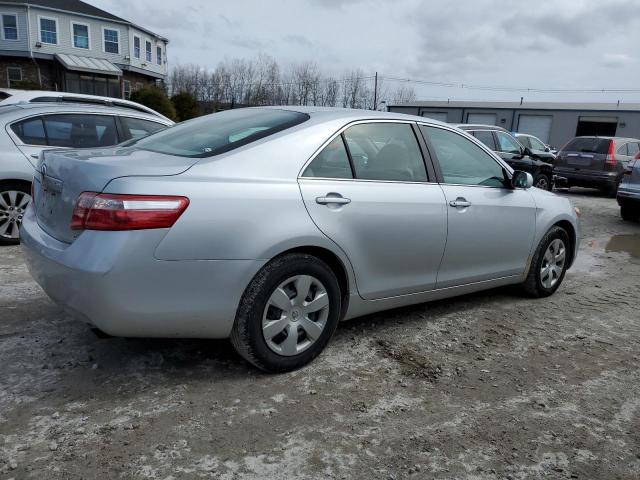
(582, 178)
(628, 195)
(123, 290)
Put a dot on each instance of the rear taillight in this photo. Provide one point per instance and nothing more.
(637, 157)
(610, 162)
(103, 211)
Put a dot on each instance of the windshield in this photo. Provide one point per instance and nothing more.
(220, 132)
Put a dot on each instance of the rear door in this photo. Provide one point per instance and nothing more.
(379, 206)
(490, 227)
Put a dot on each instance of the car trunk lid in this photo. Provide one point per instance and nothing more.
(63, 175)
(587, 153)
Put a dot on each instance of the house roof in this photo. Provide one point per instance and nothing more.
(526, 105)
(78, 7)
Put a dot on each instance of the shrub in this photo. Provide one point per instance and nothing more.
(185, 105)
(155, 98)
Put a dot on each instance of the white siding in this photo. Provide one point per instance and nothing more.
(96, 40)
(155, 42)
(21, 44)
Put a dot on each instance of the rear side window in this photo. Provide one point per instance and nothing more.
(622, 150)
(30, 131)
(589, 145)
(221, 132)
(331, 162)
(485, 137)
(135, 128)
(390, 152)
(634, 149)
(80, 131)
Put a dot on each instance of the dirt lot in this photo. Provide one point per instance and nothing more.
(480, 387)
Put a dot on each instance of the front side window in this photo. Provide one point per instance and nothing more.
(30, 131)
(136, 128)
(508, 144)
(136, 47)
(536, 144)
(331, 162)
(49, 31)
(461, 161)
(390, 152)
(111, 41)
(80, 35)
(9, 27)
(81, 131)
(147, 46)
(485, 137)
(221, 132)
(159, 55)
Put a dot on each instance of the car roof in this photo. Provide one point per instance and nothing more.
(18, 110)
(354, 114)
(17, 96)
(476, 126)
(609, 138)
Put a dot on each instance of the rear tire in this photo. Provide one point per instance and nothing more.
(549, 264)
(287, 314)
(14, 199)
(629, 214)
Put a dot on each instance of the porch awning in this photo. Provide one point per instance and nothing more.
(88, 64)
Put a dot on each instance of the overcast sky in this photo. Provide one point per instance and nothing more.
(542, 44)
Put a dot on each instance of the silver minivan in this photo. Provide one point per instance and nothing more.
(29, 128)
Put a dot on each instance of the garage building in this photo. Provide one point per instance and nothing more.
(554, 123)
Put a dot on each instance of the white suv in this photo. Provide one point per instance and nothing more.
(29, 128)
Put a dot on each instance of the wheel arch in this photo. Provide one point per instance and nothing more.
(568, 227)
(21, 181)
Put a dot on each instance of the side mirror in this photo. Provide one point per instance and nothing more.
(521, 179)
(547, 148)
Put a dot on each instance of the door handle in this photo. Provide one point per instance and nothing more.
(333, 200)
(460, 203)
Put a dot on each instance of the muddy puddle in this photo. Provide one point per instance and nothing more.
(593, 252)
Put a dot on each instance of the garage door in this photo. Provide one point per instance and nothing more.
(536, 125)
(441, 116)
(482, 118)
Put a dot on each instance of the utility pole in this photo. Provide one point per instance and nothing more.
(375, 93)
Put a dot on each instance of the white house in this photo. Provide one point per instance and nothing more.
(69, 45)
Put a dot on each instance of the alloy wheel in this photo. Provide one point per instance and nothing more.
(295, 315)
(553, 263)
(13, 204)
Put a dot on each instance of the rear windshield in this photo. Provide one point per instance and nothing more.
(591, 145)
(220, 132)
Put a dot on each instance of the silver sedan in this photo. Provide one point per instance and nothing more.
(270, 225)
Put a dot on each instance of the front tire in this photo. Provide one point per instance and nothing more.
(542, 181)
(549, 264)
(14, 199)
(287, 314)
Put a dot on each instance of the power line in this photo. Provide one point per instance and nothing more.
(497, 88)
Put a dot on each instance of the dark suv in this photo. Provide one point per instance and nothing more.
(596, 162)
(512, 151)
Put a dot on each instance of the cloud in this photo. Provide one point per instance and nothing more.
(298, 40)
(617, 60)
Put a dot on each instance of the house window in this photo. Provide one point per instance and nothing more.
(111, 44)
(9, 27)
(80, 35)
(49, 31)
(14, 74)
(147, 46)
(159, 55)
(126, 89)
(136, 47)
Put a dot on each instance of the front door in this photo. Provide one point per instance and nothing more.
(378, 206)
(491, 226)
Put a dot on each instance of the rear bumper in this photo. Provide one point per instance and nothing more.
(112, 281)
(582, 178)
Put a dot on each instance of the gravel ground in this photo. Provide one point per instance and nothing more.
(486, 386)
